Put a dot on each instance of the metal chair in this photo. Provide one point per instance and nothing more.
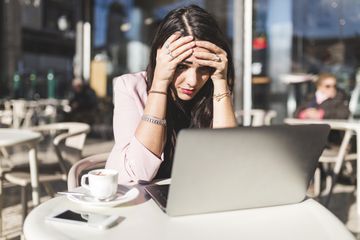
(22, 111)
(335, 154)
(340, 154)
(259, 117)
(83, 166)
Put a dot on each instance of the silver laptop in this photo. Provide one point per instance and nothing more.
(227, 169)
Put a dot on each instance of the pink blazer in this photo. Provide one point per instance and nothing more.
(133, 161)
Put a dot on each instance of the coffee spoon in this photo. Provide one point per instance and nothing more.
(87, 195)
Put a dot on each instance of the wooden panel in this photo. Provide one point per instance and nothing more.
(98, 77)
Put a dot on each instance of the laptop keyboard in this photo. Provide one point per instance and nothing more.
(159, 193)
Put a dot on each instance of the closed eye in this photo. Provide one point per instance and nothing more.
(206, 70)
(181, 67)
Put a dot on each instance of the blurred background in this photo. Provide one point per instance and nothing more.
(58, 59)
(46, 44)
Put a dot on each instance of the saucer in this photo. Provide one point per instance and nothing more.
(119, 198)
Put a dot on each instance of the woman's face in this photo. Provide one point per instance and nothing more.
(328, 87)
(190, 77)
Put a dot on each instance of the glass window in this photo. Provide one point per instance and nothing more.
(305, 36)
(123, 30)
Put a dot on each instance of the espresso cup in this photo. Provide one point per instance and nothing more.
(102, 183)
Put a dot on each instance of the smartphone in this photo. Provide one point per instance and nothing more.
(95, 220)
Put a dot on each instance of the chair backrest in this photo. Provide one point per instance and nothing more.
(83, 166)
(22, 113)
(69, 143)
(6, 117)
(354, 99)
(269, 116)
(259, 117)
(79, 130)
(74, 136)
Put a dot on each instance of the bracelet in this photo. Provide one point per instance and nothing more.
(154, 120)
(159, 92)
(220, 96)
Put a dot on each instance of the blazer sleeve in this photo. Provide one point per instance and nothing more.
(132, 159)
(337, 108)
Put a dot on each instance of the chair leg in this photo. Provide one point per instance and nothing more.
(1, 204)
(48, 189)
(328, 184)
(334, 177)
(24, 202)
(317, 182)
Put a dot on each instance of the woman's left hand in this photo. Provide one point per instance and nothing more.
(214, 57)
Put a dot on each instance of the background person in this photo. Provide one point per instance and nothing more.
(83, 102)
(187, 84)
(328, 102)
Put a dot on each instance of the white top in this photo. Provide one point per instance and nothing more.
(144, 220)
(11, 137)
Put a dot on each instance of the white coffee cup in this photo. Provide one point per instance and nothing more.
(102, 183)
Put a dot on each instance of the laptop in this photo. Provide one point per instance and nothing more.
(218, 170)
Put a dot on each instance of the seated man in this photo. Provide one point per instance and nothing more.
(328, 102)
(83, 103)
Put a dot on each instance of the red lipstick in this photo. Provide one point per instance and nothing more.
(187, 91)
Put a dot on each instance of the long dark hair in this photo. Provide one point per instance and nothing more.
(195, 21)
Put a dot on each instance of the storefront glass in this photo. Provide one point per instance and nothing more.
(288, 36)
(123, 30)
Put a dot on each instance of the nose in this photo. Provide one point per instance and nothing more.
(192, 78)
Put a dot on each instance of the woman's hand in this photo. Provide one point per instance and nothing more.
(214, 57)
(175, 50)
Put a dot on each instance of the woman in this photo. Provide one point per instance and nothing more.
(187, 84)
(327, 102)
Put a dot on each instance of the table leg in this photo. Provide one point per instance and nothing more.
(34, 175)
(358, 172)
(291, 101)
(1, 204)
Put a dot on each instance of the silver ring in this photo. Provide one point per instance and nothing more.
(167, 45)
(170, 54)
(217, 58)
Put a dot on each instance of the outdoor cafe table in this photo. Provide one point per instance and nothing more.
(13, 137)
(144, 220)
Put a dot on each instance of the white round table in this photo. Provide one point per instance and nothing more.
(144, 220)
(12, 137)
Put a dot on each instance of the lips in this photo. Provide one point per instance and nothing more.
(187, 91)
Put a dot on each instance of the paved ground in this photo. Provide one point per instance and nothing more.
(342, 202)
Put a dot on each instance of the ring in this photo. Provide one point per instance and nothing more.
(167, 45)
(170, 54)
(217, 58)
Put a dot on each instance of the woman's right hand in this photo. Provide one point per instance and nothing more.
(175, 50)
